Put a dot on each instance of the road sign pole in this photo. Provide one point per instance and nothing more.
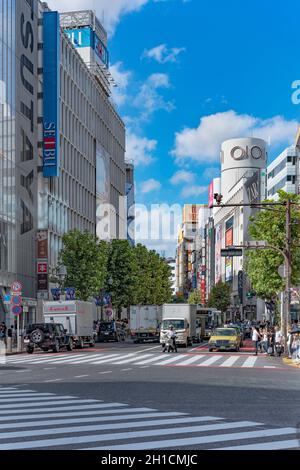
(18, 334)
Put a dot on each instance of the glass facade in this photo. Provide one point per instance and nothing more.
(7, 141)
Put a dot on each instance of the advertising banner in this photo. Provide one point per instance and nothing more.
(42, 244)
(211, 195)
(51, 125)
(82, 37)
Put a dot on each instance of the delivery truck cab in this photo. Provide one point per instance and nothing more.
(183, 318)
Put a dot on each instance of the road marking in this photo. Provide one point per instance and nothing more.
(33, 398)
(107, 372)
(52, 380)
(81, 376)
(145, 367)
(68, 408)
(125, 370)
(198, 440)
(250, 362)
(50, 368)
(229, 362)
(93, 419)
(153, 359)
(27, 394)
(210, 361)
(116, 436)
(22, 371)
(150, 349)
(169, 361)
(275, 445)
(269, 367)
(191, 360)
(109, 358)
(55, 401)
(132, 359)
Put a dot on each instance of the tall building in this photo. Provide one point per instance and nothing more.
(188, 248)
(130, 202)
(243, 180)
(62, 143)
(283, 173)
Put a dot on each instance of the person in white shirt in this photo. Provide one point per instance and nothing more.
(255, 339)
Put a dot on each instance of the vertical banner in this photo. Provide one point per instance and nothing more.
(51, 126)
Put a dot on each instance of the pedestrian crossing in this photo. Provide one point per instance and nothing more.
(96, 425)
(149, 359)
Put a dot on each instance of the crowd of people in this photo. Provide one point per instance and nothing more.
(270, 340)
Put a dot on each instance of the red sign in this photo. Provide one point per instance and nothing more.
(42, 244)
(42, 268)
(229, 237)
(16, 300)
(17, 310)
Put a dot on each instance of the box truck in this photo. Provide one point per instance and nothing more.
(145, 323)
(183, 318)
(77, 318)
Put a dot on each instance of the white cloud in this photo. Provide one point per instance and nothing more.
(203, 143)
(182, 176)
(122, 78)
(150, 186)
(163, 54)
(193, 191)
(112, 10)
(149, 100)
(139, 149)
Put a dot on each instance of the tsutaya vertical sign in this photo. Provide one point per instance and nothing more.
(51, 129)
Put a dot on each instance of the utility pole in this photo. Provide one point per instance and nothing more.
(288, 271)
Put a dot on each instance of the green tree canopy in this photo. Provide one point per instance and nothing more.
(262, 265)
(220, 297)
(195, 298)
(85, 258)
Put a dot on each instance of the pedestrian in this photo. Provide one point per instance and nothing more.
(264, 342)
(255, 339)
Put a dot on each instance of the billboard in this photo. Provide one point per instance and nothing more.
(86, 37)
(51, 125)
(211, 195)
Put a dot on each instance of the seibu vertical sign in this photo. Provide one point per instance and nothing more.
(51, 125)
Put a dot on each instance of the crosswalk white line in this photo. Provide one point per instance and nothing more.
(273, 445)
(111, 357)
(132, 359)
(153, 359)
(230, 361)
(41, 357)
(105, 412)
(130, 425)
(92, 419)
(187, 442)
(67, 360)
(75, 406)
(191, 360)
(250, 362)
(26, 395)
(56, 442)
(210, 361)
(90, 358)
(169, 361)
(35, 398)
(56, 401)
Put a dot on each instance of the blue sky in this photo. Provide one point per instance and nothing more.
(194, 73)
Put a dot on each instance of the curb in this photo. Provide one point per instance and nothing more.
(291, 363)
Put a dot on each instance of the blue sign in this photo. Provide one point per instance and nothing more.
(86, 37)
(70, 293)
(7, 299)
(55, 294)
(51, 131)
(82, 37)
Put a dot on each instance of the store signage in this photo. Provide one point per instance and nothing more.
(51, 135)
(231, 252)
(86, 37)
(42, 267)
(239, 153)
(42, 281)
(42, 244)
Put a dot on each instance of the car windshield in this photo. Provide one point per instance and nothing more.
(228, 332)
(177, 324)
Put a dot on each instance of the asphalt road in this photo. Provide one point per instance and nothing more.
(224, 406)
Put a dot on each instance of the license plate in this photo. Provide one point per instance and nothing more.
(106, 334)
(26, 341)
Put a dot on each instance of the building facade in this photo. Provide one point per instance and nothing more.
(283, 173)
(130, 202)
(62, 143)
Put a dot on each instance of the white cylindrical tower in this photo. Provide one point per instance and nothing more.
(240, 157)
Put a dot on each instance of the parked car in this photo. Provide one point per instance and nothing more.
(109, 331)
(225, 339)
(47, 336)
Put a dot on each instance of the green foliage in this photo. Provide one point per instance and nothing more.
(220, 297)
(85, 259)
(262, 265)
(195, 298)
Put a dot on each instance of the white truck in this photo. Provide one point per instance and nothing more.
(77, 318)
(145, 323)
(183, 318)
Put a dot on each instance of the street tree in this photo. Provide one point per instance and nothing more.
(85, 258)
(262, 265)
(195, 297)
(220, 297)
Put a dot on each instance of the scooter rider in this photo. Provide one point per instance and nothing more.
(171, 334)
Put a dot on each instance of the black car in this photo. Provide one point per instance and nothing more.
(108, 332)
(47, 336)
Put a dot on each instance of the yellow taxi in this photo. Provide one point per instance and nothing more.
(224, 339)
